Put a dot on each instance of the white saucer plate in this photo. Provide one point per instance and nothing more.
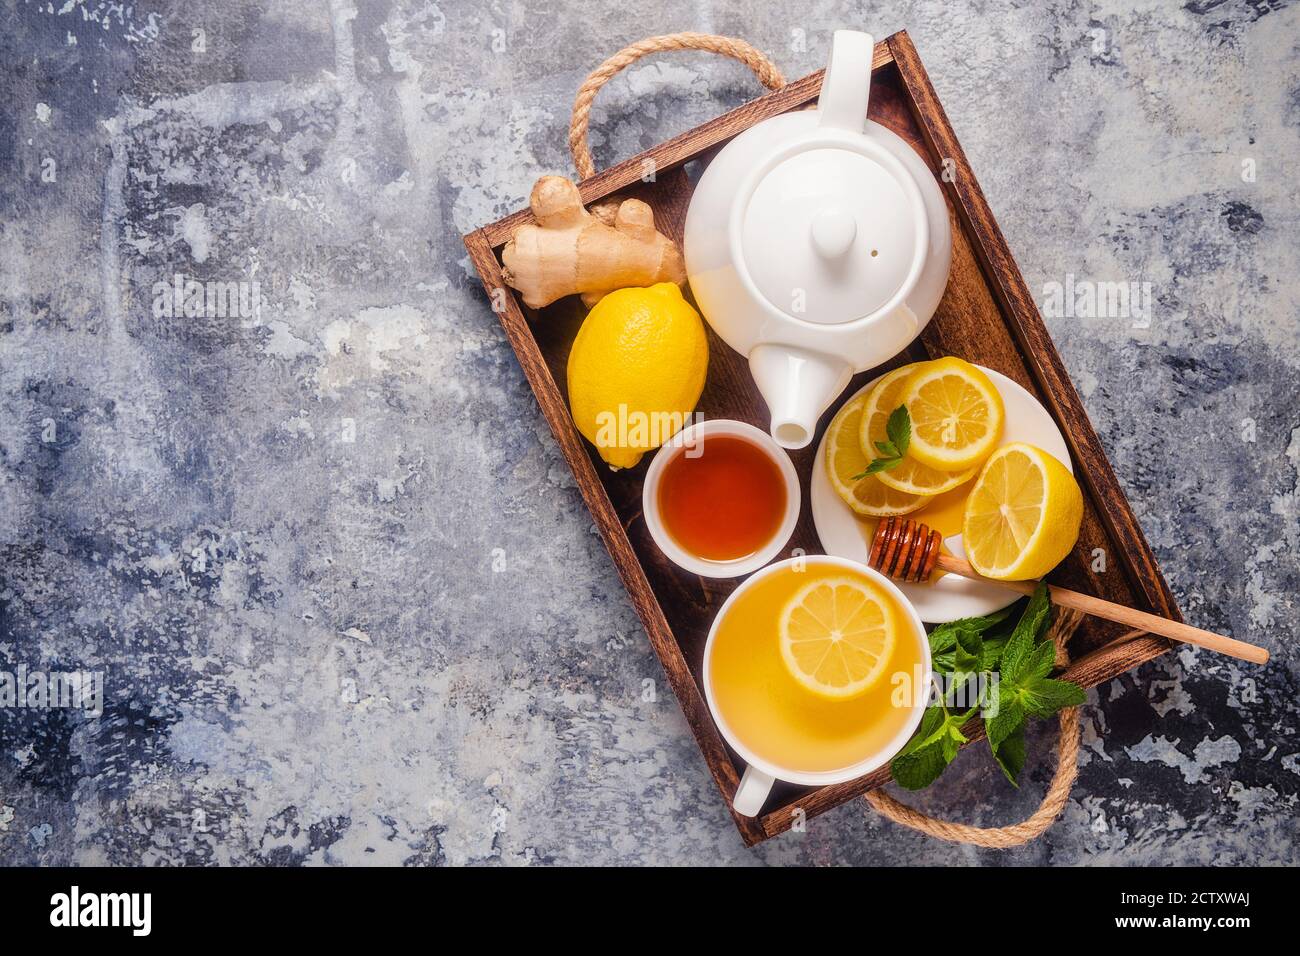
(843, 533)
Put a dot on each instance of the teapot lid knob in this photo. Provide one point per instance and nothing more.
(833, 231)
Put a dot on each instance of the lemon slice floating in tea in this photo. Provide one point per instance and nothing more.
(956, 414)
(1023, 515)
(836, 635)
(909, 475)
(844, 459)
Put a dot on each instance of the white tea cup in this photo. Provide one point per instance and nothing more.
(696, 437)
(760, 774)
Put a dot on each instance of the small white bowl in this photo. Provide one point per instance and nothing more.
(679, 444)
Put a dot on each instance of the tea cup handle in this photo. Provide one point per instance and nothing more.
(752, 792)
(846, 87)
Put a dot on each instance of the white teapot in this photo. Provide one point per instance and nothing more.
(817, 244)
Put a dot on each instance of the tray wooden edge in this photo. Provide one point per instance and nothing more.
(1027, 326)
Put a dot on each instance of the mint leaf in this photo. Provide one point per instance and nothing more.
(1043, 696)
(1010, 755)
(1018, 647)
(1039, 662)
(919, 763)
(1008, 716)
(1032, 625)
(1038, 613)
(951, 742)
(878, 464)
(899, 429)
(943, 640)
(969, 652)
(892, 452)
(992, 653)
(934, 746)
(917, 769)
(968, 655)
(988, 620)
(931, 722)
(979, 624)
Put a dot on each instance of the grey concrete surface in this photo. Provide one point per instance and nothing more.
(346, 601)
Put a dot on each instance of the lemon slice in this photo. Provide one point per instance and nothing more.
(956, 414)
(909, 475)
(1023, 515)
(837, 635)
(844, 459)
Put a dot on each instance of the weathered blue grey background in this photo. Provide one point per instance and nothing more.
(351, 608)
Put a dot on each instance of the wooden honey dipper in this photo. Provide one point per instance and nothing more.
(905, 550)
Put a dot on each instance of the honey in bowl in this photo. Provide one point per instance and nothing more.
(722, 500)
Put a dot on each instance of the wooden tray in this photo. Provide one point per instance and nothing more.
(987, 316)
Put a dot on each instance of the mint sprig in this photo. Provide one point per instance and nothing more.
(1022, 656)
(892, 451)
(1024, 690)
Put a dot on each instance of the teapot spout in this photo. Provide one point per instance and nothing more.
(797, 385)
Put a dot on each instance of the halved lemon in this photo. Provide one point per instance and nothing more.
(844, 459)
(1023, 515)
(956, 414)
(910, 475)
(837, 635)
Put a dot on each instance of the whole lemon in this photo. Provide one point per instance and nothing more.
(636, 371)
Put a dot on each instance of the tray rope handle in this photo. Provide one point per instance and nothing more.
(753, 58)
(1058, 791)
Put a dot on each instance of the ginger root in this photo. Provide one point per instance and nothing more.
(570, 250)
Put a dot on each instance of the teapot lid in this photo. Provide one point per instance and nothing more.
(833, 228)
(830, 234)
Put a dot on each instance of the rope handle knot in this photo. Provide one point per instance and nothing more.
(753, 58)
